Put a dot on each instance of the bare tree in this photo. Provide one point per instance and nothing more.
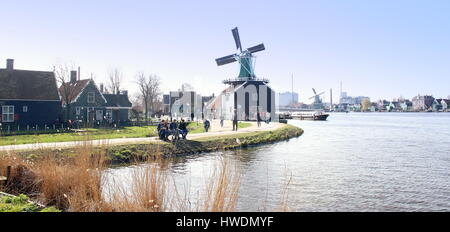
(149, 91)
(155, 91)
(62, 74)
(138, 107)
(115, 77)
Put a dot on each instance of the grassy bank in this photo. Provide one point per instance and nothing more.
(21, 203)
(141, 152)
(72, 180)
(95, 134)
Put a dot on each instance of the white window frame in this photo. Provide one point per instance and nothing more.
(78, 111)
(7, 113)
(91, 97)
(97, 113)
(108, 115)
(25, 109)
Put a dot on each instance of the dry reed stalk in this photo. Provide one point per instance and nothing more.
(222, 190)
(72, 185)
(147, 192)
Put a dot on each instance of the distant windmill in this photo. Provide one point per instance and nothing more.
(317, 100)
(245, 58)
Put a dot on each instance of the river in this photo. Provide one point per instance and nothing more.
(352, 162)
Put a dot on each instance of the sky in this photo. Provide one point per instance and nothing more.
(382, 49)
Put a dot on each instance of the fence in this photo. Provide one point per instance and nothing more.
(10, 130)
(6, 130)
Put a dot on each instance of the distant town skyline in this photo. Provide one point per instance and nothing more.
(380, 49)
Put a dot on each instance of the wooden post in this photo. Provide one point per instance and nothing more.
(4, 179)
(8, 174)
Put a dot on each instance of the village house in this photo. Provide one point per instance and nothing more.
(394, 106)
(83, 101)
(28, 99)
(437, 106)
(422, 103)
(373, 107)
(383, 105)
(406, 105)
(445, 104)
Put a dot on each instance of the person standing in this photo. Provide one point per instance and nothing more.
(258, 118)
(235, 120)
(221, 121)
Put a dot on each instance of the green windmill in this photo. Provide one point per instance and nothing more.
(245, 58)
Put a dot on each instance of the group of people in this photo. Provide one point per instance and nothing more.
(168, 128)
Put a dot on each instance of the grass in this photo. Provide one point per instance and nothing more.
(125, 154)
(75, 185)
(73, 182)
(91, 134)
(21, 203)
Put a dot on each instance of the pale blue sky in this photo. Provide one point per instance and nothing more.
(381, 49)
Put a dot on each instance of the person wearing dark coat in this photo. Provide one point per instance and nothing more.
(235, 121)
(206, 124)
(183, 129)
(173, 128)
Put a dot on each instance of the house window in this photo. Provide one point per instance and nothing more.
(8, 113)
(78, 110)
(108, 115)
(99, 115)
(91, 97)
(25, 109)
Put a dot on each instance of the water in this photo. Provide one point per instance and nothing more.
(352, 162)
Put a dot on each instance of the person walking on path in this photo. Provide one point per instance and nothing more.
(235, 121)
(206, 124)
(258, 118)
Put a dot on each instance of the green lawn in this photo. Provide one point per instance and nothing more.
(21, 204)
(94, 134)
(90, 134)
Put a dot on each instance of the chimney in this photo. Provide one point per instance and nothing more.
(73, 76)
(101, 88)
(125, 92)
(10, 64)
(79, 73)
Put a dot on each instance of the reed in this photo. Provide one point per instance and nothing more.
(76, 184)
(222, 189)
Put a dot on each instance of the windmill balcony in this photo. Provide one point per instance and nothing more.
(241, 80)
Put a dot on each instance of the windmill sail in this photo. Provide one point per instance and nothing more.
(257, 48)
(237, 39)
(245, 58)
(226, 60)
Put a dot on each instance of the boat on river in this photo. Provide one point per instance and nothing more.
(310, 115)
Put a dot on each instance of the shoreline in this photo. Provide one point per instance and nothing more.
(141, 151)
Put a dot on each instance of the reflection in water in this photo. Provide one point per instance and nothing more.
(353, 162)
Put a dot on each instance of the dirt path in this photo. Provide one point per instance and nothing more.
(215, 130)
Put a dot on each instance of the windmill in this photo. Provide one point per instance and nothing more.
(244, 57)
(317, 100)
(247, 96)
